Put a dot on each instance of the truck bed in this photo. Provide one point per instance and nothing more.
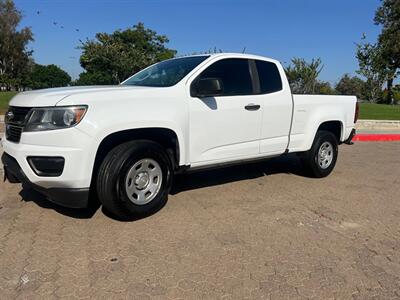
(310, 111)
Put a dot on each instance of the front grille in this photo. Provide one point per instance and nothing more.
(19, 115)
(13, 133)
(15, 121)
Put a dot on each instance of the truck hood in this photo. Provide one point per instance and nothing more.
(51, 97)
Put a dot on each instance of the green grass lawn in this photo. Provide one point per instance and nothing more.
(371, 111)
(5, 97)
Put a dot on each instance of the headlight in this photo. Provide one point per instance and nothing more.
(49, 118)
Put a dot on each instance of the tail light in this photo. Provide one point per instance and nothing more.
(357, 112)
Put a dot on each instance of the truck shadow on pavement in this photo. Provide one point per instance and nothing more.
(289, 164)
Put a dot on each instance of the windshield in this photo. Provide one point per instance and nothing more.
(166, 73)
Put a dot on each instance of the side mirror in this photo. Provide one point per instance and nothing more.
(207, 87)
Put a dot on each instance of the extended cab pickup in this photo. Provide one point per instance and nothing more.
(126, 142)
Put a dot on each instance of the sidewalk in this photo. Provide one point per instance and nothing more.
(378, 126)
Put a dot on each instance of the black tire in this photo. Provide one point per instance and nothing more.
(310, 160)
(114, 170)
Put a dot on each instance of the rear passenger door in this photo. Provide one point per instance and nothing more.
(277, 105)
(227, 126)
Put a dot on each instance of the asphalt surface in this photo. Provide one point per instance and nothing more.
(258, 231)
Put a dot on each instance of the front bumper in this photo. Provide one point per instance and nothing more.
(71, 144)
(68, 197)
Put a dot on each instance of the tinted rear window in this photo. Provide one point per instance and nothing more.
(270, 78)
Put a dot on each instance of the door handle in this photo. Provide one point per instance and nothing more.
(252, 106)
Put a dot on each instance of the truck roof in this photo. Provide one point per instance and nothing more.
(236, 55)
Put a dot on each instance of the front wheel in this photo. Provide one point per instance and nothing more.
(320, 160)
(134, 179)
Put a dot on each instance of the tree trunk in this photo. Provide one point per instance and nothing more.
(390, 98)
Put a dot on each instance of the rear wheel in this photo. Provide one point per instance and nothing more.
(134, 179)
(320, 160)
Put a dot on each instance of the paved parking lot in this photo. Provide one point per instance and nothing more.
(249, 232)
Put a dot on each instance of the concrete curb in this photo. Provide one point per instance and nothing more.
(377, 125)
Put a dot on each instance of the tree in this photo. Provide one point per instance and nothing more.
(348, 85)
(14, 55)
(324, 88)
(48, 77)
(388, 15)
(396, 93)
(303, 76)
(123, 53)
(383, 57)
(372, 67)
(87, 78)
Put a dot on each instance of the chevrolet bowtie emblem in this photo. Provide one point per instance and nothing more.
(10, 115)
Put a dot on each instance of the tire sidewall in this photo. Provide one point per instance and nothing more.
(321, 137)
(156, 153)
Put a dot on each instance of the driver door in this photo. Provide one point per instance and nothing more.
(227, 126)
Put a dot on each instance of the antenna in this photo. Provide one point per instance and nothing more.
(244, 50)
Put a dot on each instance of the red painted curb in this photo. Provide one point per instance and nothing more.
(376, 137)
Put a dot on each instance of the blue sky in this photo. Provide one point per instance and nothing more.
(279, 29)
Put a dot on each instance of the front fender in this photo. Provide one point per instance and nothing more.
(100, 135)
(138, 109)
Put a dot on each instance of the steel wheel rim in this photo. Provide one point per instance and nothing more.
(325, 155)
(143, 181)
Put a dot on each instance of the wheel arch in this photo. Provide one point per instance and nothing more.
(166, 137)
(334, 126)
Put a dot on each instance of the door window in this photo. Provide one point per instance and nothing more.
(234, 74)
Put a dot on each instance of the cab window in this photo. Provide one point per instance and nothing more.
(270, 78)
(234, 74)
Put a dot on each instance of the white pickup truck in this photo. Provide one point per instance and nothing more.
(126, 142)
